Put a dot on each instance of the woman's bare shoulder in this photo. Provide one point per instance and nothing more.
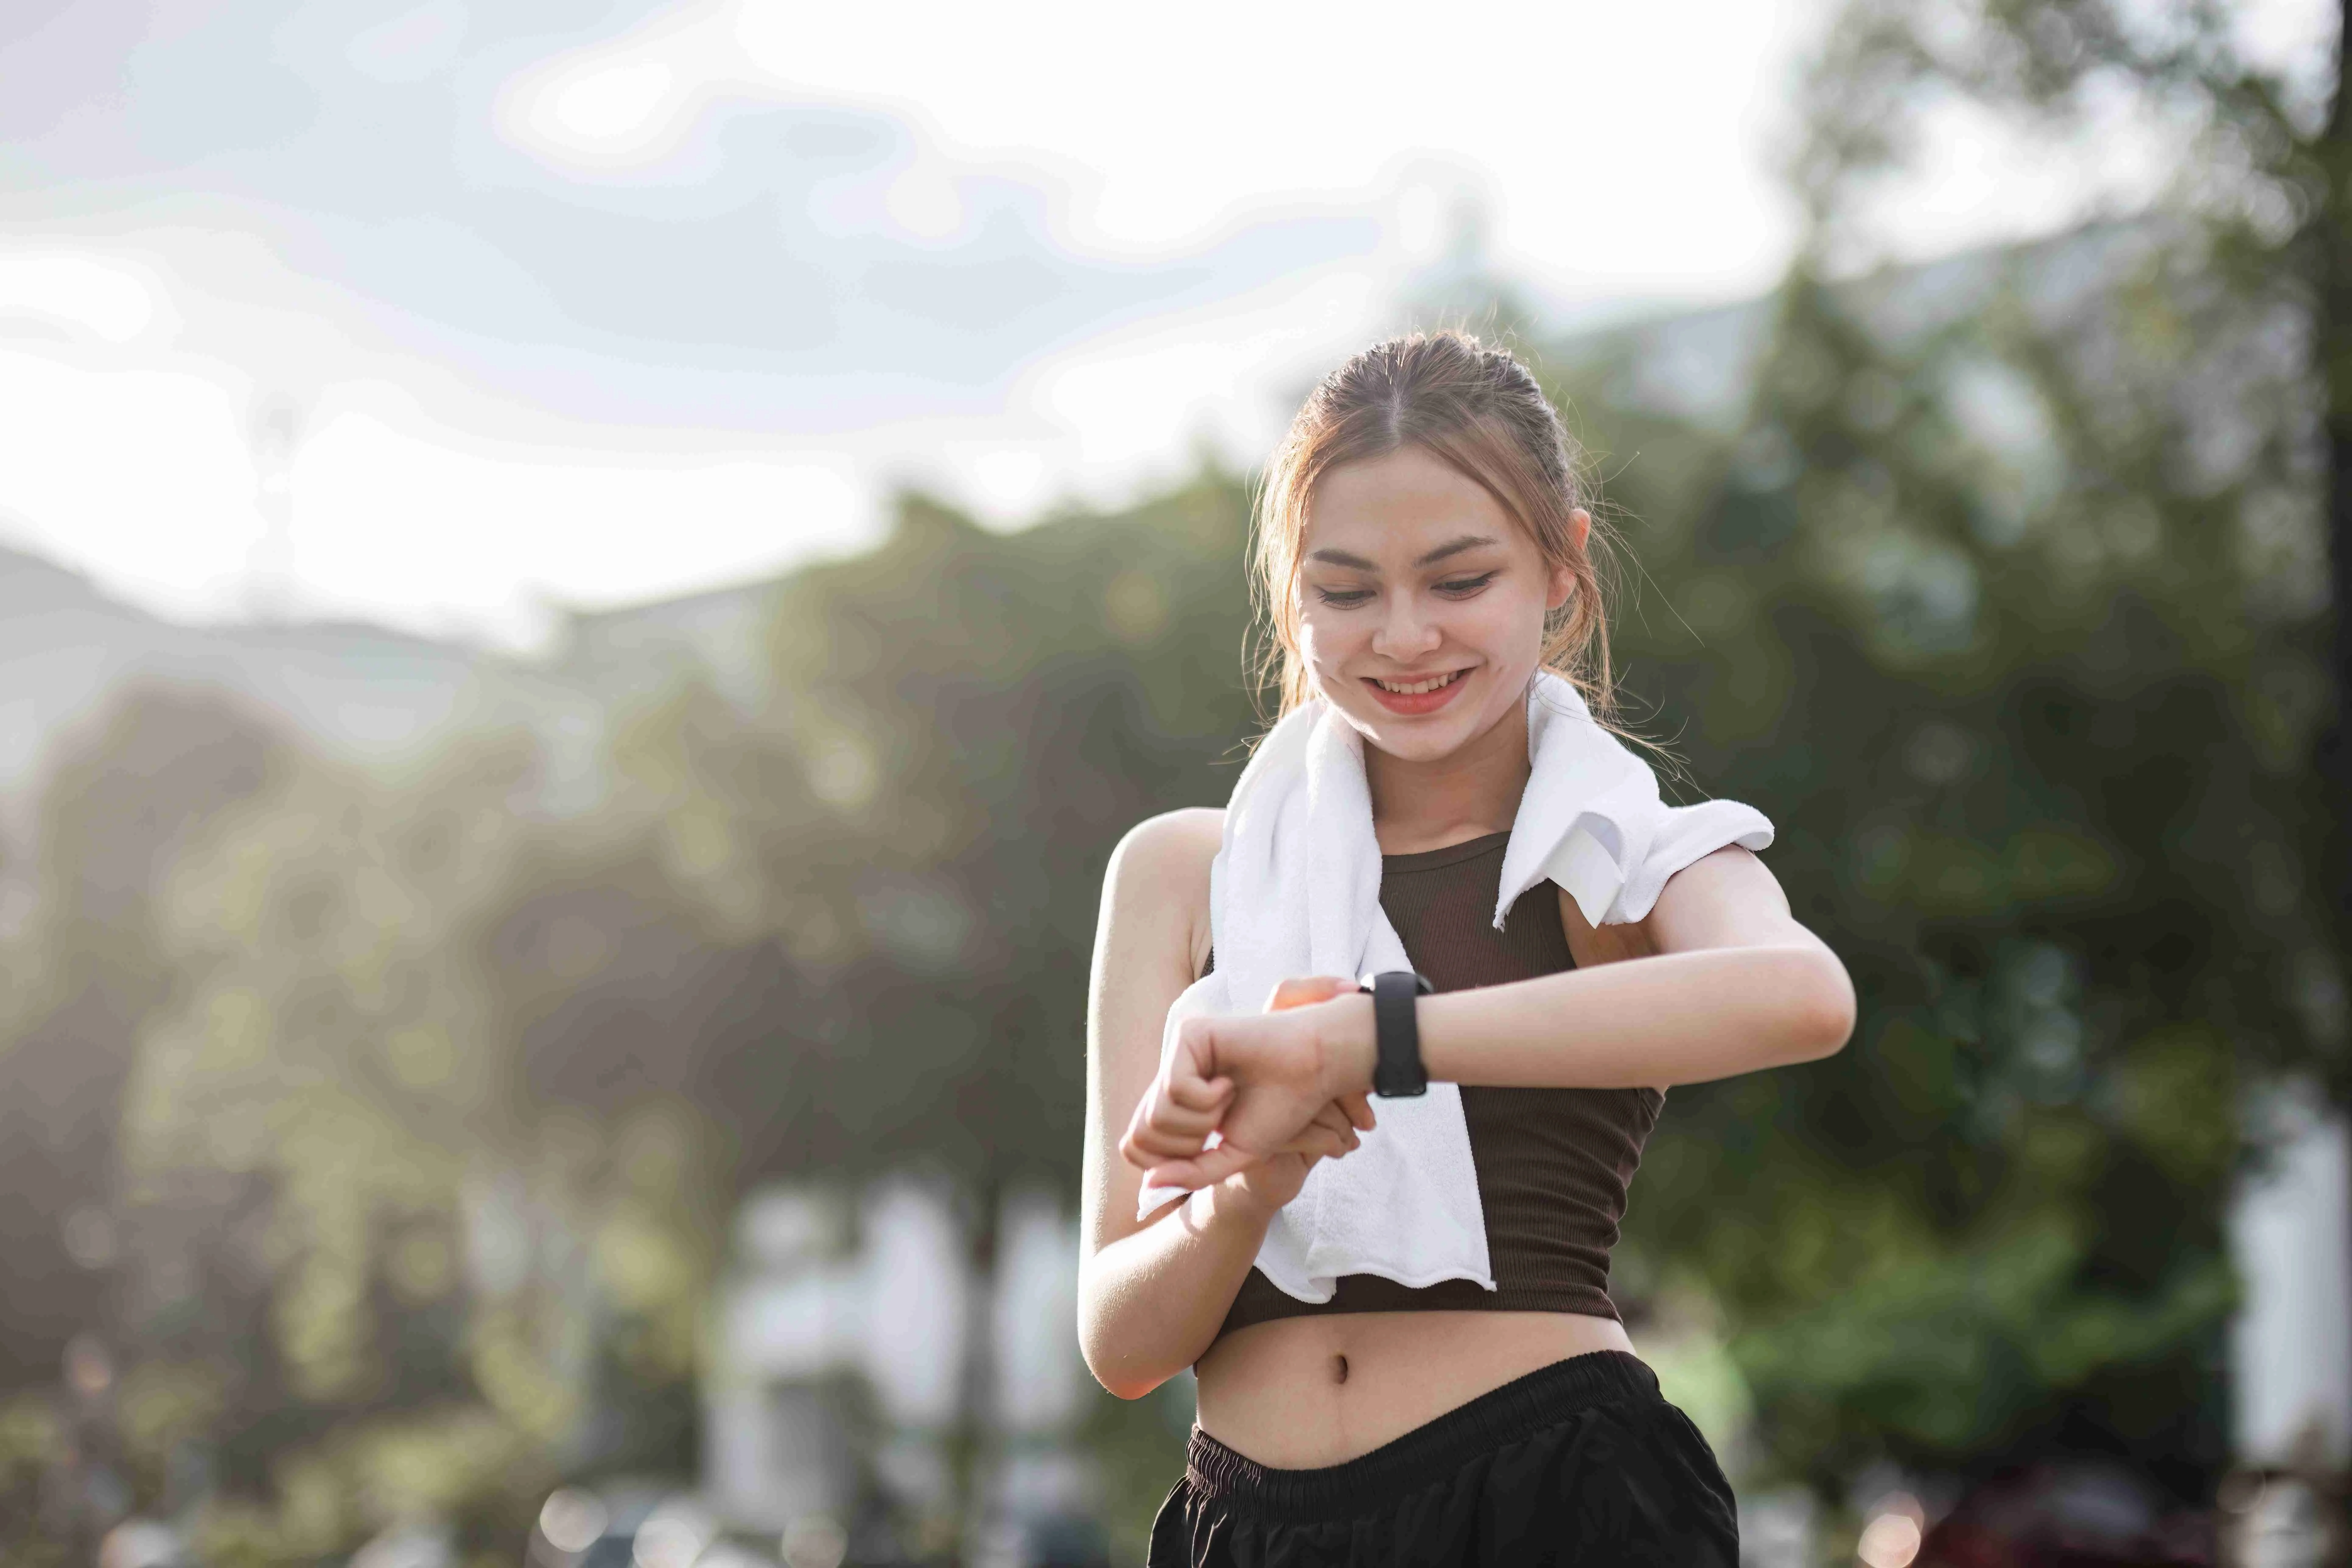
(1158, 883)
(1175, 846)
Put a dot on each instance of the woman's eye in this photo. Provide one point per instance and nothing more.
(1465, 585)
(1343, 598)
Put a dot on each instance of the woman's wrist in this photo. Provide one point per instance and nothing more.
(1348, 1045)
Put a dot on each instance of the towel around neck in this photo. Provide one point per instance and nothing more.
(1295, 891)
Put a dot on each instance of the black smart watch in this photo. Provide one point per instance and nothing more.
(1397, 1070)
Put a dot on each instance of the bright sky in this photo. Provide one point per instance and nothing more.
(617, 314)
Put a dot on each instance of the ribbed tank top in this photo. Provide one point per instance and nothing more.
(1553, 1164)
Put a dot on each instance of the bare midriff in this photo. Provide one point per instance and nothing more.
(1298, 1393)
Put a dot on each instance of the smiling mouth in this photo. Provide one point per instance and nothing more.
(1418, 687)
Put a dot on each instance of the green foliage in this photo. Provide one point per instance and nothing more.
(2009, 606)
(30, 1434)
(397, 1021)
(420, 1112)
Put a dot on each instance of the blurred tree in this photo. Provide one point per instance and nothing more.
(140, 784)
(429, 1112)
(902, 854)
(2007, 600)
(413, 1118)
(148, 776)
(337, 1268)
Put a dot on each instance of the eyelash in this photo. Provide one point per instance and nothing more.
(1349, 598)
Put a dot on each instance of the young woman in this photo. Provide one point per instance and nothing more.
(1422, 1368)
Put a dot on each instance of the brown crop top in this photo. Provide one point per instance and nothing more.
(1553, 1164)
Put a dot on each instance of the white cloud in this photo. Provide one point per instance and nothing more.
(428, 488)
(619, 105)
(144, 479)
(613, 105)
(387, 509)
(1630, 157)
(1129, 407)
(1010, 478)
(1617, 151)
(139, 475)
(102, 298)
(413, 45)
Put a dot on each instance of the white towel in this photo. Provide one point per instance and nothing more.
(1296, 890)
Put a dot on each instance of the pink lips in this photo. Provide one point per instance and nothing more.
(1410, 703)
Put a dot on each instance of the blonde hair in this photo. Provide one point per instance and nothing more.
(1477, 408)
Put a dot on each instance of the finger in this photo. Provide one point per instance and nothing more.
(1319, 1140)
(1180, 1141)
(1159, 1121)
(1163, 1107)
(1359, 1108)
(1305, 992)
(1327, 1134)
(1160, 1139)
(1342, 1121)
(1196, 1046)
(1206, 1170)
(1178, 1095)
(1156, 1143)
(1141, 1155)
(1333, 1119)
(1316, 1134)
(1198, 1094)
(1325, 1144)
(1149, 1136)
(1341, 1132)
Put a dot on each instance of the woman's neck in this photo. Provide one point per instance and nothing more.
(1467, 793)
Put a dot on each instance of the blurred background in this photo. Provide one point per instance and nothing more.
(585, 589)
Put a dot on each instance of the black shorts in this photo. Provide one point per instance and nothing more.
(1582, 1461)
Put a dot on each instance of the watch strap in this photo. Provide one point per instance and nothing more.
(1397, 1071)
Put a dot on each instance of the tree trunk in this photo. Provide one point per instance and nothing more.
(2332, 342)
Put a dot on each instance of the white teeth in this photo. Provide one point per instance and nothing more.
(1415, 688)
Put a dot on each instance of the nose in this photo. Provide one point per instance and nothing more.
(1406, 631)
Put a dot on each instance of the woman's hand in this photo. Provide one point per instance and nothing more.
(1293, 1081)
(1271, 1182)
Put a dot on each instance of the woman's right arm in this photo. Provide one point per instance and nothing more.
(1152, 1292)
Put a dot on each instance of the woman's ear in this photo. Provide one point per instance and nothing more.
(1564, 580)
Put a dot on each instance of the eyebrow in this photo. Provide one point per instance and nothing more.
(1357, 563)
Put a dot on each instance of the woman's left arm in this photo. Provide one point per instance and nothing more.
(1726, 982)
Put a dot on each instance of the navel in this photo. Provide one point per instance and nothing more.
(1338, 1369)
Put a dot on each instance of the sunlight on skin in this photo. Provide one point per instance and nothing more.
(1412, 572)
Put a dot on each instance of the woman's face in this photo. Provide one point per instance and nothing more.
(1422, 602)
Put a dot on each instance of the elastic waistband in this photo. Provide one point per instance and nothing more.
(1519, 1409)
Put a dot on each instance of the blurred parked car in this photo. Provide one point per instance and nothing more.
(2083, 1514)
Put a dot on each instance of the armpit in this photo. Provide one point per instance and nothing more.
(1594, 944)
